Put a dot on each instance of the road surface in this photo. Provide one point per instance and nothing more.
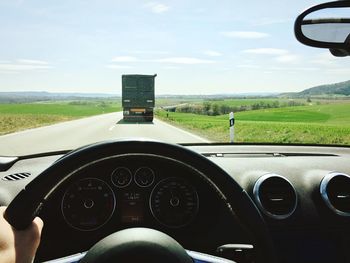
(72, 134)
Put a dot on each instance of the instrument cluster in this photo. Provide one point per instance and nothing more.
(132, 195)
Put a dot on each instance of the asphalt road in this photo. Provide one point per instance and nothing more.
(72, 134)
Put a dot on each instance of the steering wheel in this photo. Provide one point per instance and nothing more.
(129, 244)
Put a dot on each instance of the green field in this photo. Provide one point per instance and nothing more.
(16, 117)
(316, 124)
(320, 122)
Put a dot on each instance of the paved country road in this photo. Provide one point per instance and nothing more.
(72, 134)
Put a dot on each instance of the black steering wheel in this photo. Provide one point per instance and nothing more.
(153, 245)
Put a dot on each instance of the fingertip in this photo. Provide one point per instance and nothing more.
(2, 209)
(39, 223)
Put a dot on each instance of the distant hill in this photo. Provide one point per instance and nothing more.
(34, 96)
(37, 96)
(336, 89)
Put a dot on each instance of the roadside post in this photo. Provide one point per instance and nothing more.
(232, 127)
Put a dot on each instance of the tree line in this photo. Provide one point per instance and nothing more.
(214, 109)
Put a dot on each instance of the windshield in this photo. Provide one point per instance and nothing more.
(78, 72)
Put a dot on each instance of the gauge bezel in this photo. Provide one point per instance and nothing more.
(323, 191)
(153, 178)
(106, 221)
(131, 177)
(194, 214)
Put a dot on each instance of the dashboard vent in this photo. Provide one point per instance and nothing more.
(275, 196)
(335, 191)
(16, 176)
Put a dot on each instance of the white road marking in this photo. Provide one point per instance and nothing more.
(183, 131)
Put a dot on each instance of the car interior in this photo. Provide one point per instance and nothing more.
(141, 200)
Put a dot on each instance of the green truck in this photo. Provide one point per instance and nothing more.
(138, 97)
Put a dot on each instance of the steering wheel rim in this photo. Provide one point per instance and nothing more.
(30, 200)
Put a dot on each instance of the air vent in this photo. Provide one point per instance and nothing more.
(335, 191)
(16, 176)
(275, 196)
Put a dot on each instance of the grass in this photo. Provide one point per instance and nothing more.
(17, 122)
(71, 108)
(325, 122)
(314, 124)
(16, 117)
(327, 113)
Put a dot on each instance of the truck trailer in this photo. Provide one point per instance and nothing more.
(138, 97)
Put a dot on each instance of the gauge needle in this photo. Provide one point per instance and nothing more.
(174, 200)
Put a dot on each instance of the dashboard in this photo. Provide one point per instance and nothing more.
(303, 193)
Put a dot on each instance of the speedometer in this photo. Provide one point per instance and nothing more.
(174, 202)
(88, 204)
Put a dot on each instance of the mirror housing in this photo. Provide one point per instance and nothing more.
(326, 26)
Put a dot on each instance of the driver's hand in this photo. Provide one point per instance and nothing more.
(18, 246)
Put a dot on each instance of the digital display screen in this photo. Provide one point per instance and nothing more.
(132, 208)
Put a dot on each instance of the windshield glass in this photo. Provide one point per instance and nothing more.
(78, 72)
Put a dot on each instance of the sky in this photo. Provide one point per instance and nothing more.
(195, 47)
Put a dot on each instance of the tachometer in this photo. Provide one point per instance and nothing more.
(174, 202)
(88, 204)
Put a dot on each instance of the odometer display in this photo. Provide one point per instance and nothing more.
(174, 202)
(88, 204)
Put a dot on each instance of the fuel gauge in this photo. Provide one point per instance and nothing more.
(144, 177)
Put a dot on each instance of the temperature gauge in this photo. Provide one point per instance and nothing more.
(121, 177)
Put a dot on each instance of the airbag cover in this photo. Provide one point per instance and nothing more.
(137, 245)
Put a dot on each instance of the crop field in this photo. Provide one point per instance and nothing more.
(327, 123)
(18, 116)
(317, 122)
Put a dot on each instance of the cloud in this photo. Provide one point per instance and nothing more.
(271, 21)
(249, 66)
(33, 62)
(184, 60)
(149, 52)
(277, 54)
(18, 67)
(244, 34)
(125, 59)
(171, 67)
(344, 71)
(157, 8)
(118, 66)
(267, 51)
(325, 59)
(22, 65)
(171, 60)
(212, 53)
(288, 58)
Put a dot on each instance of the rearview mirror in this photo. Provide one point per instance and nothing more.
(326, 26)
